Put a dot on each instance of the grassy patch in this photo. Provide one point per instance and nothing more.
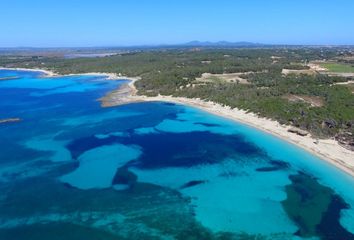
(351, 87)
(338, 67)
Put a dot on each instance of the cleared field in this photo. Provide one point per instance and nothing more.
(312, 100)
(338, 68)
(226, 77)
(297, 72)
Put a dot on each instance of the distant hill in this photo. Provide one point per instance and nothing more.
(222, 44)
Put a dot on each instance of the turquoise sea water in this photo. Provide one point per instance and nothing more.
(73, 170)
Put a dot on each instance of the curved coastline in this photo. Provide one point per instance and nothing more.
(327, 149)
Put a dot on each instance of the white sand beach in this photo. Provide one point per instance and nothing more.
(46, 72)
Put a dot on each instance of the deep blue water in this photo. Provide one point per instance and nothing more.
(73, 170)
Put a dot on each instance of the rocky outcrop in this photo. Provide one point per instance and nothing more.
(346, 140)
(298, 131)
(9, 120)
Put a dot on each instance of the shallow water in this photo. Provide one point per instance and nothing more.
(153, 171)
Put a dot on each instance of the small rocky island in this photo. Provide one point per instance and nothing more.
(9, 120)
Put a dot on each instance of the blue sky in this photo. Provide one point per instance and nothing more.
(64, 23)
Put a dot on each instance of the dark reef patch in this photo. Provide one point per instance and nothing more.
(13, 152)
(192, 183)
(169, 104)
(276, 166)
(330, 227)
(79, 146)
(124, 176)
(208, 124)
(172, 150)
(314, 208)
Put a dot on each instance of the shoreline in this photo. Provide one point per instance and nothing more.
(49, 73)
(328, 150)
(46, 72)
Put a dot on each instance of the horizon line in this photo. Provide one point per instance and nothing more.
(194, 43)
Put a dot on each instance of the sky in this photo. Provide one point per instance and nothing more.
(90, 23)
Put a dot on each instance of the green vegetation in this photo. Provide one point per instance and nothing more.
(338, 67)
(174, 72)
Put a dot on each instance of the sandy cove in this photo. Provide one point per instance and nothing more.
(327, 149)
